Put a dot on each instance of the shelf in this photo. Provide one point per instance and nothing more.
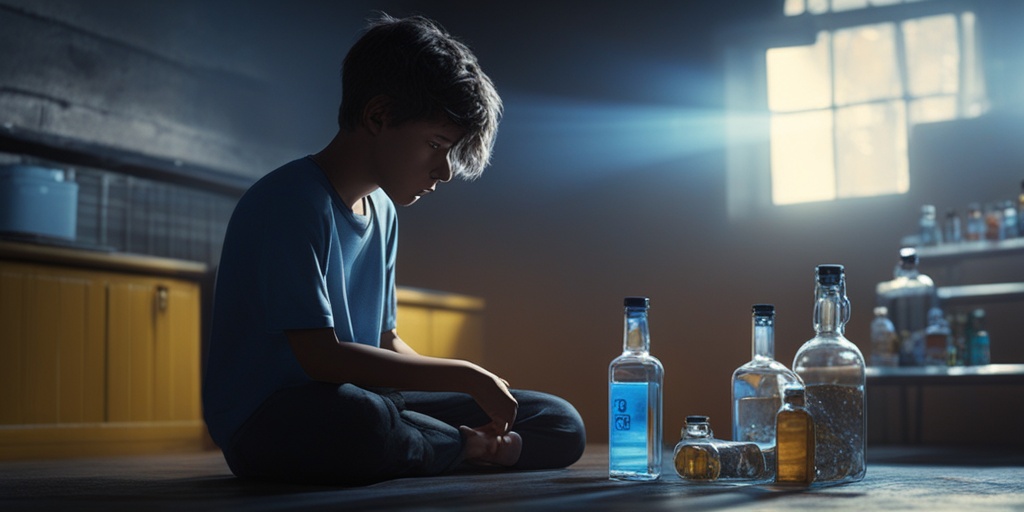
(950, 253)
(965, 375)
(981, 293)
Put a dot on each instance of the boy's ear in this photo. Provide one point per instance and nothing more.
(376, 113)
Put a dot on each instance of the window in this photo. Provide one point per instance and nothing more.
(842, 108)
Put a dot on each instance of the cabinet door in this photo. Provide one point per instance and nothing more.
(153, 349)
(457, 334)
(442, 332)
(413, 325)
(52, 365)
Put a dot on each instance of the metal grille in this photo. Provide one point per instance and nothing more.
(135, 215)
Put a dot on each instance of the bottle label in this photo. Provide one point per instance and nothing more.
(628, 432)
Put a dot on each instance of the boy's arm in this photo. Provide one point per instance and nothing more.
(390, 340)
(324, 358)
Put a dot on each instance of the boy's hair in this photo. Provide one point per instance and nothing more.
(426, 73)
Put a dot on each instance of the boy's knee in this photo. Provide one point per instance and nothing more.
(556, 425)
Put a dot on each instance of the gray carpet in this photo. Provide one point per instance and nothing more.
(897, 479)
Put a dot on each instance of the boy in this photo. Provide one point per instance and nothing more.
(307, 379)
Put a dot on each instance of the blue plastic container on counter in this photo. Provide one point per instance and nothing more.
(37, 201)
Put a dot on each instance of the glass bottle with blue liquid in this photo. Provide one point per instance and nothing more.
(635, 401)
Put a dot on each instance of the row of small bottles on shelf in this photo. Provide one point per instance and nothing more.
(911, 329)
(999, 220)
(960, 342)
(804, 426)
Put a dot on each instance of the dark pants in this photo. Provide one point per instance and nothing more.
(329, 434)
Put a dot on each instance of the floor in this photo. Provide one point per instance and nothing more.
(897, 479)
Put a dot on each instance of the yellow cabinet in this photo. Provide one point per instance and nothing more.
(441, 324)
(52, 357)
(96, 362)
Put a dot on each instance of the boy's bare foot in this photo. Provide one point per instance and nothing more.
(486, 448)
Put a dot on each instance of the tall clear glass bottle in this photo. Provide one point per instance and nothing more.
(795, 428)
(832, 369)
(757, 387)
(635, 401)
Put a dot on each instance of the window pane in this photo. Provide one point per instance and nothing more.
(865, 66)
(793, 7)
(933, 109)
(801, 157)
(933, 55)
(798, 76)
(848, 5)
(871, 149)
(877, 3)
(973, 93)
(817, 6)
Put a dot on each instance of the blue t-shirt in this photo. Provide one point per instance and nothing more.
(294, 257)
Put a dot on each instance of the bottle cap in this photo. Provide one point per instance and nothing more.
(763, 309)
(793, 391)
(793, 395)
(829, 275)
(908, 255)
(696, 419)
(881, 311)
(637, 302)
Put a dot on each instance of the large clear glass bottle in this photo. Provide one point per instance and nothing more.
(832, 369)
(795, 432)
(699, 457)
(757, 387)
(635, 401)
(907, 298)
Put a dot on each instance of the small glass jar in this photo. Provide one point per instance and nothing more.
(700, 458)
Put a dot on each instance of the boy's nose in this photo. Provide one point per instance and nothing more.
(444, 172)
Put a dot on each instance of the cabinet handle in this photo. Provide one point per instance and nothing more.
(162, 295)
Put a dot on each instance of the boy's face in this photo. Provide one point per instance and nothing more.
(412, 157)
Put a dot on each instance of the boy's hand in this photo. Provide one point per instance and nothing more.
(495, 399)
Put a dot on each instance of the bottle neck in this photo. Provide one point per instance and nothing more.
(829, 316)
(698, 430)
(908, 270)
(637, 337)
(794, 399)
(763, 338)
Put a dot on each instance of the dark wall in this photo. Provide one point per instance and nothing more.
(608, 180)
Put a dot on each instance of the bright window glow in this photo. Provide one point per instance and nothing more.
(802, 153)
(865, 64)
(871, 149)
(932, 46)
(842, 108)
(798, 77)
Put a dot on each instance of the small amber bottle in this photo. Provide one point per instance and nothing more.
(794, 430)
